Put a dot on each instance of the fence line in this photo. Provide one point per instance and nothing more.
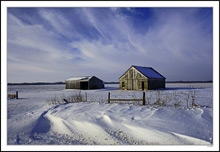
(13, 95)
(143, 99)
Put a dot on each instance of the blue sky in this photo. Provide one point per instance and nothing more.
(54, 44)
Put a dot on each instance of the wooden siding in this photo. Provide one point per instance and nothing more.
(156, 83)
(132, 80)
(95, 83)
(72, 84)
(92, 83)
(135, 80)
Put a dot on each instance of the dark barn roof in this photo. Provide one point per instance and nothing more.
(149, 72)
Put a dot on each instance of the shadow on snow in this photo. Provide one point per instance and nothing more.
(42, 126)
(179, 88)
(162, 89)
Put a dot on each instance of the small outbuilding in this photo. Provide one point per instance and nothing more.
(141, 78)
(86, 82)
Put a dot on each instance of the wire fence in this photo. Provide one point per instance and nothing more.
(187, 99)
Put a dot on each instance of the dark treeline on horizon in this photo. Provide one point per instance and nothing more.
(210, 81)
(36, 83)
(52, 83)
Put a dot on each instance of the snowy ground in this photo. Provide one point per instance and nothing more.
(34, 119)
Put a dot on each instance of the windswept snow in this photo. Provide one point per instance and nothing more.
(31, 120)
(123, 124)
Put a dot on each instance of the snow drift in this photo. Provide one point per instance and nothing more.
(31, 120)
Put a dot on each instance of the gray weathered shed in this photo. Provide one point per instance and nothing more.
(141, 78)
(86, 82)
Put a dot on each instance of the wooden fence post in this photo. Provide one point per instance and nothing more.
(143, 98)
(187, 105)
(109, 97)
(16, 94)
(86, 96)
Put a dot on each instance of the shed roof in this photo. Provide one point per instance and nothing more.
(84, 78)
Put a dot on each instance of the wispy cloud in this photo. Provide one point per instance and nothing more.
(106, 41)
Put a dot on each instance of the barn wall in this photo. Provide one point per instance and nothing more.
(72, 84)
(132, 80)
(95, 83)
(156, 83)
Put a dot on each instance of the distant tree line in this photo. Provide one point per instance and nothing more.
(37, 83)
(111, 82)
(51, 83)
(210, 81)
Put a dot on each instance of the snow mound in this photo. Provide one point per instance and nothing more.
(110, 124)
(34, 120)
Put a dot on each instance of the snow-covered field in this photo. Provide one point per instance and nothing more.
(35, 118)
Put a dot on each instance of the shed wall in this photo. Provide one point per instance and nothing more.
(72, 84)
(95, 83)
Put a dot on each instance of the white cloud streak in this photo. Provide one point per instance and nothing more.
(173, 43)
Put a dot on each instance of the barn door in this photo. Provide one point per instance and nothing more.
(132, 84)
(142, 85)
(84, 85)
(123, 85)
